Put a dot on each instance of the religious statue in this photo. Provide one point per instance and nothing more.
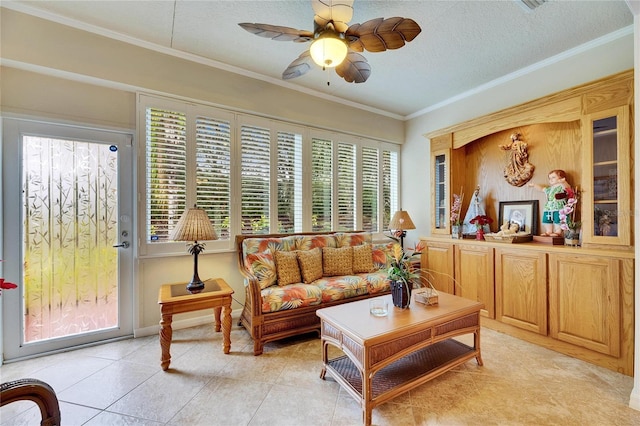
(518, 170)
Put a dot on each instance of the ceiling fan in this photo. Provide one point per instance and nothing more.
(336, 44)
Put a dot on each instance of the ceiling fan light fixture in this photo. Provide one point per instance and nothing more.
(328, 49)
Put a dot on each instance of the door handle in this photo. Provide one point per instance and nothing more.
(124, 244)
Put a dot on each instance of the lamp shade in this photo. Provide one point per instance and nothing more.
(328, 50)
(194, 225)
(401, 221)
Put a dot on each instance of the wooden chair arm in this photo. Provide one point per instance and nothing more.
(33, 390)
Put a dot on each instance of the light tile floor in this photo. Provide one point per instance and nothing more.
(121, 383)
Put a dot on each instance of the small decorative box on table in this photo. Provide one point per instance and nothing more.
(426, 296)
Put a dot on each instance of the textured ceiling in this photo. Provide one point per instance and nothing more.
(463, 44)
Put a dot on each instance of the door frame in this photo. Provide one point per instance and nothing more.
(11, 309)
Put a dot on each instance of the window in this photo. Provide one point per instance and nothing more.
(346, 187)
(322, 184)
(166, 167)
(256, 175)
(370, 192)
(390, 185)
(213, 171)
(255, 179)
(289, 177)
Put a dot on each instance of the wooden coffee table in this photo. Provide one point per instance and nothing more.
(175, 299)
(387, 356)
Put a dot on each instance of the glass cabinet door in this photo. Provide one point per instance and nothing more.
(440, 199)
(606, 195)
(440, 189)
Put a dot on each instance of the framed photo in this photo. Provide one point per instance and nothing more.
(524, 213)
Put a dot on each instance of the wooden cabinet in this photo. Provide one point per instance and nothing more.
(577, 301)
(474, 275)
(436, 261)
(584, 301)
(521, 289)
(606, 193)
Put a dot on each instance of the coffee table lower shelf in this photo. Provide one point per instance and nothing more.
(412, 370)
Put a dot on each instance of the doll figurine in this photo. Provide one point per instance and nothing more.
(558, 192)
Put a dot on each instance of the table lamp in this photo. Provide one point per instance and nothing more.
(194, 225)
(401, 222)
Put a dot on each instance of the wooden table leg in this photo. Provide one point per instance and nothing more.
(166, 334)
(216, 316)
(476, 344)
(325, 360)
(366, 397)
(226, 328)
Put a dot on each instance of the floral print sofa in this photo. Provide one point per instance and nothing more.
(287, 277)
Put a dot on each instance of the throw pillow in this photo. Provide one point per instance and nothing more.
(337, 261)
(362, 259)
(287, 267)
(263, 267)
(310, 264)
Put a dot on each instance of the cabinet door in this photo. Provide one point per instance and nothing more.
(521, 289)
(437, 265)
(584, 301)
(474, 275)
(606, 193)
(447, 171)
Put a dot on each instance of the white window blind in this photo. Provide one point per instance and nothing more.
(289, 181)
(370, 189)
(255, 179)
(390, 186)
(213, 172)
(346, 187)
(322, 183)
(256, 175)
(166, 171)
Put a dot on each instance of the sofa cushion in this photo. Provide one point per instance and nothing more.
(260, 245)
(381, 254)
(310, 264)
(287, 267)
(362, 259)
(377, 282)
(279, 298)
(308, 242)
(337, 261)
(342, 287)
(353, 239)
(263, 267)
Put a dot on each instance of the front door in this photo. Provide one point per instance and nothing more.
(67, 236)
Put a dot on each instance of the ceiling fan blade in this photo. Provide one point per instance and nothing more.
(354, 68)
(378, 35)
(278, 33)
(298, 67)
(338, 11)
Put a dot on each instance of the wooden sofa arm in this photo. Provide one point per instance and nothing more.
(252, 287)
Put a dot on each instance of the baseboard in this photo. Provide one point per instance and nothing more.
(184, 323)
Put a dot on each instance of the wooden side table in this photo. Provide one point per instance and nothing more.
(175, 299)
